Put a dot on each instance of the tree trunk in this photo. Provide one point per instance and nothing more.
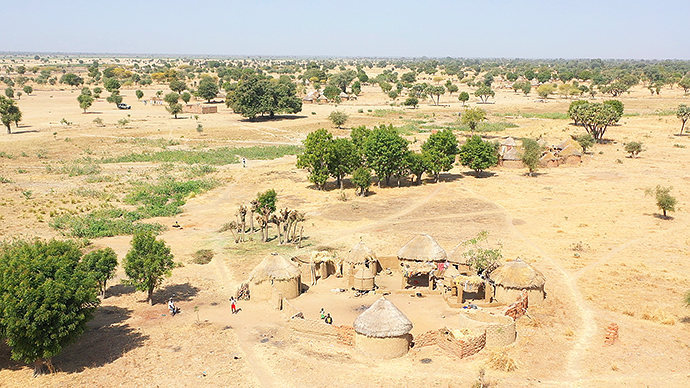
(40, 367)
(150, 296)
(664, 210)
(419, 179)
(340, 182)
(9, 130)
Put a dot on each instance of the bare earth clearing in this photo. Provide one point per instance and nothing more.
(633, 270)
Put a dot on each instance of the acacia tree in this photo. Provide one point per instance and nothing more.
(683, 113)
(101, 264)
(9, 112)
(208, 89)
(595, 117)
(634, 148)
(484, 92)
(436, 91)
(338, 118)
(147, 263)
(174, 107)
(439, 152)
(256, 94)
(472, 117)
(664, 200)
(71, 79)
(46, 298)
(464, 97)
(478, 154)
(179, 86)
(139, 94)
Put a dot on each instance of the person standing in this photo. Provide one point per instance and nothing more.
(328, 319)
(233, 305)
(323, 313)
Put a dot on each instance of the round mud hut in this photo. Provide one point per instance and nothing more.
(363, 279)
(275, 274)
(360, 256)
(382, 331)
(418, 261)
(514, 276)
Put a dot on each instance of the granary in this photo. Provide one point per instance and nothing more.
(322, 99)
(568, 142)
(419, 260)
(382, 331)
(318, 265)
(511, 159)
(359, 256)
(457, 259)
(548, 160)
(274, 276)
(363, 279)
(507, 145)
(514, 276)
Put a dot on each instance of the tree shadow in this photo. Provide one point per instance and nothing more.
(118, 290)
(6, 363)
(106, 339)
(92, 113)
(260, 119)
(663, 217)
(16, 132)
(448, 177)
(534, 174)
(685, 320)
(179, 292)
(479, 174)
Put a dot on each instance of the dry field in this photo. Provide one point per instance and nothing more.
(633, 267)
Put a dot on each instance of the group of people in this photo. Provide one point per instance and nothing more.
(326, 317)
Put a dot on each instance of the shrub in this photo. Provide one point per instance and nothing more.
(203, 256)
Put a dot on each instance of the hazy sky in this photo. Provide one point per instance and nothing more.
(481, 28)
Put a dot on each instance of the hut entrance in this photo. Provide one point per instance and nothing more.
(419, 280)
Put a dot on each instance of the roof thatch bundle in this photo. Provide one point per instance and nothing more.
(422, 248)
(274, 267)
(382, 320)
(360, 254)
(472, 280)
(517, 274)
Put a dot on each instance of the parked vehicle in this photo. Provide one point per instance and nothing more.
(122, 105)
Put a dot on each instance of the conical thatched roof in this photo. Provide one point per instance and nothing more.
(570, 151)
(517, 274)
(569, 142)
(548, 156)
(509, 141)
(456, 256)
(422, 248)
(360, 253)
(511, 154)
(382, 320)
(274, 267)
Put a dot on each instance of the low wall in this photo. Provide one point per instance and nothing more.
(445, 341)
(500, 329)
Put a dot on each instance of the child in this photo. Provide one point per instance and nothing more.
(323, 313)
(329, 320)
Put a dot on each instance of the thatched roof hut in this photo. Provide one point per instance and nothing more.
(360, 254)
(422, 248)
(509, 142)
(382, 320)
(512, 277)
(364, 279)
(568, 142)
(275, 274)
(382, 331)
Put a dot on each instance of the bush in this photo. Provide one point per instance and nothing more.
(203, 256)
(634, 148)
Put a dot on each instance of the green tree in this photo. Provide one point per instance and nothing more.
(664, 200)
(344, 158)
(385, 152)
(342, 79)
(85, 101)
(408, 78)
(572, 110)
(478, 154)
(316, 155)
(111, 84)
(256, 95)
(439, 152)
(147, 263)
(683, 113)
(617, 106)
(585, 141)
(101, 265)
(451, 88)
(208, 89)
(174, 109)
(46, 299)
(97, 92)
(139, 94)
(9, 112)
(544, 91)
(634, 148)
(179, 86)
(472, 117)
(115, 97)
(595, 117)
(411, 101)
(415, 163)
(361, 178)
(338, 118)
(171, 98)
(267, 201)
(484, 92)
(393, 94)
(685, 83)
(332, 93)
(186, 97)
(71, 79)
(526, 87)
(464, 97)
(543, 76)
(436, 91)
(9, 92)
(531, 153)
(356, 88)
(385, 86)
(28, 89)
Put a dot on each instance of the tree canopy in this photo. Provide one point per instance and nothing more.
(256, 94)
(683, 113)
(472, 117)
(664, 200)
(316, 156)
(46, 298)
(385, 152)
(595, 117)
(478, 154)
(484, 92)
(338, 118)
(101, 265)
(208, 89)
(9, 112)
(439, 152)
(148, 261)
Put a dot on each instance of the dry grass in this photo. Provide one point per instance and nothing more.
(499, 360)
(660, 316)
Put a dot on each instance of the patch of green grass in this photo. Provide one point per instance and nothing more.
(165, 198)
(216, 157)
(99, 178)
(482, 127)
(198, 170)
(203, 256)
(91, 193)
(675, 145)
(385, 112)
(666, 112)
(268, 152)
(75, 169)
(102, 223)
(633, 114)
(143, 141)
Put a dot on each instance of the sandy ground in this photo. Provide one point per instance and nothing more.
(633, 269)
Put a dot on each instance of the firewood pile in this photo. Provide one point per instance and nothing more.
(611, 334)
(242, 292)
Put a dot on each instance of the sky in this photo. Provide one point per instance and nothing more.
(630, 29)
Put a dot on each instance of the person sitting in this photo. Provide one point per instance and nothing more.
(173, 309)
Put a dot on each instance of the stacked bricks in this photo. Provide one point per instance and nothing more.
(346, 335)
(611, 334)
(519, 307)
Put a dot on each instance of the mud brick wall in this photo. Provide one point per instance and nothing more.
(346, 335)
(317, 328)
(458, 348)
(289, 310)
(518, 308)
